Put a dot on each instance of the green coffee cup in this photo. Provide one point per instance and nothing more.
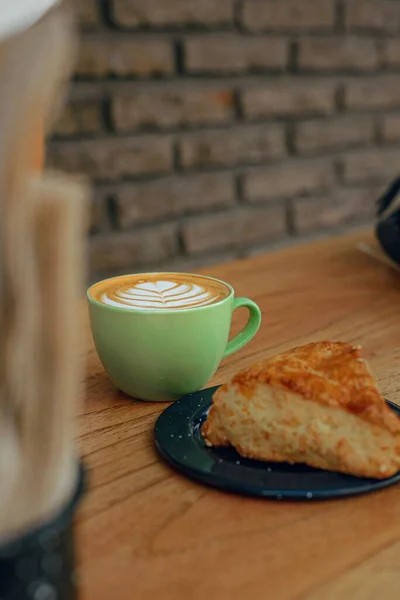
(160, 336)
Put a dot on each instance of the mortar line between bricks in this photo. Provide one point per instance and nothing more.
(263, 205)
(94, 29)
(340, 27)
(143, 34)
(366, 180)
(281, 241)
(176, 157)
(106, 116)
(322, 192)
(290, 220)
(290, 139)
(239, 191)
(179, 56)
(378, 133)
(232, 78)
(112, 211)
(189, 131)
(105, 12)
(237, 17)
(340, 99)
(293, 58)
(259, 167)
(231, 126)
(254, 81)
(189, 217)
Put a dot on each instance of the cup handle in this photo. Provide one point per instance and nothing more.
(250, 329)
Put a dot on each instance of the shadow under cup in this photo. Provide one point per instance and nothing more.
(163, 354)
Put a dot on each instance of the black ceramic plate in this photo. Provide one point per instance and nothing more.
(178, 439)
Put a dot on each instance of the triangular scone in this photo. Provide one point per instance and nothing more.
(316, 404)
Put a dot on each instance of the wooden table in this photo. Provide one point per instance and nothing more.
(147, 533)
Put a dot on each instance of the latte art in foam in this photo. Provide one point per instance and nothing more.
(160, 291)
(159, 294)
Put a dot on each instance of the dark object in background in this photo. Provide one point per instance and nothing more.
(388, 227)
(40, 565)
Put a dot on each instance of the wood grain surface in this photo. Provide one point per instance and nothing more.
(145, 532)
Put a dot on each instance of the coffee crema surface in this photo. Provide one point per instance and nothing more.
(171, 291)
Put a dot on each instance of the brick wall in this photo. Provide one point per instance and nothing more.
(212, 128)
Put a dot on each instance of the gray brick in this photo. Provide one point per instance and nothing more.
(175, 13)
(292, 15)
(290, 96)
(171, 107)
(371, 165)
(373, 15)
(87, 13)
(79, 118)
(391, 49)
(390, 128)
(289, 179)
(342, 207)
(112, 158)
(236, 145)
(172, 196)
(343, 53)
(115, 251)
(373, 92)
(227, 52)
(327, 134)
(105, 55)
(234, 228)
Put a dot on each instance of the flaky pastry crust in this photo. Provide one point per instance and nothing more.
(331, 373)
(316, 386)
